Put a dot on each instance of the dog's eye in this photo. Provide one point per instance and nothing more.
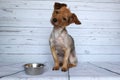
(56, 12)
(64, 19)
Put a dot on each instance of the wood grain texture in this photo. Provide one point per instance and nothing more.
(25, 28)
(48, 58)
(85, 71)
(45, 50)
(85, 15)
(15, 72)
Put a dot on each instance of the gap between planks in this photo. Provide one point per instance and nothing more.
(105, 69)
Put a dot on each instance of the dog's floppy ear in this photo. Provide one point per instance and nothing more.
(59, 5)
(75, 19)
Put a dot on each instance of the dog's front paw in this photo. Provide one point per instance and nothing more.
(55, 68)
(64, 69)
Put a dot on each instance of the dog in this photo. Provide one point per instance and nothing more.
(61, 43)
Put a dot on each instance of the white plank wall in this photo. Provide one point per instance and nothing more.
(25, 28)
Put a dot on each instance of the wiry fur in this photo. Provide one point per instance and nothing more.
(61, 43)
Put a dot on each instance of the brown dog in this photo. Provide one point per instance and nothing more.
(61, 43)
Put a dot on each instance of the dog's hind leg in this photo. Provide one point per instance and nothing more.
(72, 60)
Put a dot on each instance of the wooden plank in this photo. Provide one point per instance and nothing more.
(41, 40)
(94, 32)
(45, 50)
(94, 78)
(97, 50)
(115, 63)
(86, 71)
(98, 58)
(38, 23)
(27, 58)
(93, 1)
(5, 64)
(36, 78)
(17, 13)
(49, 5)
(25, 31)
(108, 66)
(77, 31)
(24, 49)
(97, 41)
(9, 70)
(48, 58)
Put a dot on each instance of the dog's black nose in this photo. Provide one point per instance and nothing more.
(54, 20)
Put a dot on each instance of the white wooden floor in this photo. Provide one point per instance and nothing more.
(84, 71)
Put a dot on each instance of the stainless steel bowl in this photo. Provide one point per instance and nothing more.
(34, 68)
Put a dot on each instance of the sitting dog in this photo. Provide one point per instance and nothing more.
(61, 43)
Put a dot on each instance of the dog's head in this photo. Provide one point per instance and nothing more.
(62, 16)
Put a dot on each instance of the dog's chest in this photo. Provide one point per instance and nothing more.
(58, 39)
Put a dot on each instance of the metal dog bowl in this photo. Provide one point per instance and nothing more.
(34, 68)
